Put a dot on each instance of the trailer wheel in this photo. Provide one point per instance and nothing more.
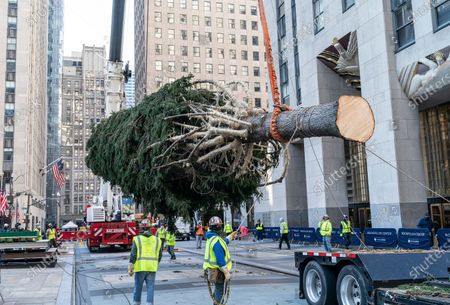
(351, 287)
(319, 284)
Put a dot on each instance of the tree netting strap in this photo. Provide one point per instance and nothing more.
(278, 107)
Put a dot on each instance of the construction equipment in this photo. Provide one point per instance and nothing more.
(373, 277)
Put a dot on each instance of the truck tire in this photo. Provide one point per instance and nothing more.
(351, 288)
(319, 284)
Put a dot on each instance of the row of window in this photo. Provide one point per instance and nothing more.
(207, 7)
(171, 67)
(207, 21)
(208, 52)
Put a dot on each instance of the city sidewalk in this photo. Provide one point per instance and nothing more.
(37, 283)
(265, 255)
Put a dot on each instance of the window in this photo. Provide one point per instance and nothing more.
(232, 54)
(244, 70)
(254, 25)
(158, 65)
(233, 70)
(230, 8)
(170, 3)
(255, 40)
(207, 21)
(256, 71)
(244, 40)
(207, 6)
(197, 68)
(441, 13)
(232, 38)
(221, 69)
(12, 11)
(184, 51)
(184, 67)
(284, 81)
(171, 66)
(195, 4)
(171, 33)
(256, 56)
(219, 22)
(318, 16)
(10, 76)
(158, 17)
(258, 102)
(257, 87)
(157, 2)
(209, 52)
(221, 53)
(184, 35)
(208, 37)
(183, 19)
(220, 37)
(403, 23)
(171, 18)
(196, 35)
(219, 7)
(242, 9)
(158, 32)
(195, 20)
(171, 50)
(158, 49)
(244, 55)
(231, 24)
(346, 4)
(281, 19)
(243, 24)
(196, 51)
(209, 68)
(183, 3)
(254, 10)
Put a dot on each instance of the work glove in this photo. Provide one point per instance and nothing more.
(226, 273)
(131, 269)
(232, 236)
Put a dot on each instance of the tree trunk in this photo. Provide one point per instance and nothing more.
(350, 118)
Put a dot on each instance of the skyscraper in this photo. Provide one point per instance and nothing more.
(54, 72)
(129, 93)
(83, 106)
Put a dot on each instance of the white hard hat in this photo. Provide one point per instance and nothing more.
(281, 219)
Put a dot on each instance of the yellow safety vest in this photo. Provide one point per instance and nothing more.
(148, 249)
(228, 228)
(39, 234)
(284, 228)
(170, 239)
(51, 234)
(259, 227)
(325, 228)
(346, 227)
(161, 233)
(210, 261)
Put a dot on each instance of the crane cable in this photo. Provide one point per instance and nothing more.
(278, 108)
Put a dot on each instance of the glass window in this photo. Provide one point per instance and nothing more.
(209, 52)
(196, 51)
(219, 7)
(158, 65)
(441, 13)
(184, 51)
(257, 87)
(197, 68)
(403, 23)
(207, 21)
(184, 66)
(244, 55)
(281, 19)
(244, 70)
(232, 54)
(244, 40)
(256, 56)
(171, 33)
(256, 71)
(171, 18)
(231, 23)
(318, 16)
(209, 68)
(221, 53)
(254, 25)
(233, 70)
(183, 3)
(158, 17)
(184, 35)
(196, 35)
(231, 8)
(219, 22)
(255, 40)
(171, 50)
(158, 33)
(220, 37)
(171, 66)
(232, 38)
(195, 20)
(254, 10)
(195, 4)
(258, 102)
(157, 2)
(221, 69)
(207, 6)
(183, 19)
(170, 3)
(243, 24)
(242, 9)
(346, 4)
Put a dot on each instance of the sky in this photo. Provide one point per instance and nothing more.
(89, 22)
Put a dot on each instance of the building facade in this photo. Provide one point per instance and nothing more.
(23, 79)
(213, 40)
(395, 55)
(129, 92)
(83, 106)
(54, 72)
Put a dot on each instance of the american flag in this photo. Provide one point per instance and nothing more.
(58, 173)
(3, 203)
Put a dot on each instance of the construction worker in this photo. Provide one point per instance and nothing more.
(161, 233)
(259, 231)
(199, 236)
(228, 228)
(217, 263)
(6, 227)
(325, 231)
(51, 235)
(145, 256)
(38, 232)
(284, 231)
(346, 231)
(170, 242)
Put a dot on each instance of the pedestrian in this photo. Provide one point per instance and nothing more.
(426, 223)
(346, 231)
(217, 262)
(6, 227)
(145, 256)
(38, 232)
(284, 232)
(199, 236)
(170, 241)
(161, 233)
(259, 230)
(51, 235)
(228, 228)
(325, 231)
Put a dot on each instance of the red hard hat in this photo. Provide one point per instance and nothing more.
(215, 221)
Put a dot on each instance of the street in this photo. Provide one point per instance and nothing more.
(101, 278)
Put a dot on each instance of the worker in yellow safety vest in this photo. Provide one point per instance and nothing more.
(161, 233)
(145, 256)
(228, 228)
(259, 230)
(326, 228)
(38, 232)
(170, 242)
(346, 231)
(284, 232)
(51, 235)
(217, 262)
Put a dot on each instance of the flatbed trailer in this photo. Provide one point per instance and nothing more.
(369, 277)
(33, 251)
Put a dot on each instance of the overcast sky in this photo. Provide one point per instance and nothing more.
(89, 22)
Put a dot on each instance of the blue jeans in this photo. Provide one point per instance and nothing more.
(139, 278)
(218, 292)
(327, 243)
(259, 234)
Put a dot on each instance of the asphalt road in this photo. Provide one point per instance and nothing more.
(101, 278)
